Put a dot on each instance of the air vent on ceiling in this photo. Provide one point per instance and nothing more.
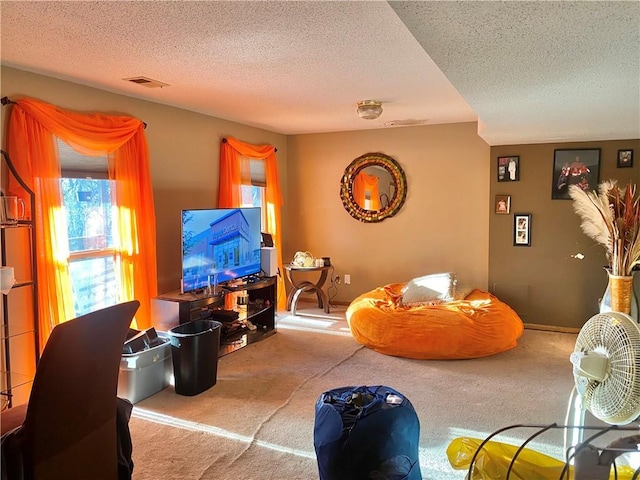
(406, 123)
(146, 82)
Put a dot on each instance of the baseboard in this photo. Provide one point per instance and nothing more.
(551, 328)
(342, 303)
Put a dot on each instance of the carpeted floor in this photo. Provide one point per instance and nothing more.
(257, 421)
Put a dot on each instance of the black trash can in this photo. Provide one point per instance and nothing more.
(194, 351)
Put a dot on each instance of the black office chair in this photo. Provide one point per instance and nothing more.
(68, 428)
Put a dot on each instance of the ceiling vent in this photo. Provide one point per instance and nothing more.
(406, 123)
(146, 82)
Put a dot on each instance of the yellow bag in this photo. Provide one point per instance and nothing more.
(492, 462)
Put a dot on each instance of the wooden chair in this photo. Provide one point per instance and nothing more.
(68, 428)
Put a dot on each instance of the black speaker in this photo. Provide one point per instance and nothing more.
(267, 240)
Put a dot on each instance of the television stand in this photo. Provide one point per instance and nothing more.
(172, 309)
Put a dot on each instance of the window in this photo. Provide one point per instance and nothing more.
(92, 261)
(253, 195)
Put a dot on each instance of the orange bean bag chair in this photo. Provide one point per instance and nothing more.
(477, 326)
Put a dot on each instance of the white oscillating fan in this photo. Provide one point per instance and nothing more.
(606, 372)
(606, 367)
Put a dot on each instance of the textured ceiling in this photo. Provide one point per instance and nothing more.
(536, 71)
(528, 72)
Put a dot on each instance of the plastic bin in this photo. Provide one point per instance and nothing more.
(194, 350)
(146, 372)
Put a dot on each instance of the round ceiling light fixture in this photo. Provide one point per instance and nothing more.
(369, 109)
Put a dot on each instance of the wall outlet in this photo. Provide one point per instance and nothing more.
(337, 280)
(347, 279)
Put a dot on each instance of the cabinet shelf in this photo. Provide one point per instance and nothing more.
(17, 380)
(239, 340)
(19, 224)
(252, 310)
(19, 336)
(13, 334)
(248, 286)
(173, 309)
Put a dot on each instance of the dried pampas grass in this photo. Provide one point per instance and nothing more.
(611, 217)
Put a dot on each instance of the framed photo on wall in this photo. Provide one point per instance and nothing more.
(625, 158)
(503, 204)
(508, 169)
(522, 229)
(574, 167)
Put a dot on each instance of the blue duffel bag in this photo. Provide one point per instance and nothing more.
(368, 433)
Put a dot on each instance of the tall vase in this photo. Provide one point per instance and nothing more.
(621, 294)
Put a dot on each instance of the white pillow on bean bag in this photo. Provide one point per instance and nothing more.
(430, 289)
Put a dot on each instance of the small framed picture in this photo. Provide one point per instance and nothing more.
(625, 158)
(503, 204)
(508, 169)
(574, 167)
(522, 229)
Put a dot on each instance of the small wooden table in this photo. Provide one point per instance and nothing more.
(301, 286)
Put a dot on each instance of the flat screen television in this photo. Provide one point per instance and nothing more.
(219, 245)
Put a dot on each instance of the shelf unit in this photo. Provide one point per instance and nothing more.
(260, 311)
(172, 309)
(19, 334)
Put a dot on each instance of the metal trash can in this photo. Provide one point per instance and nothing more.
(194, 351)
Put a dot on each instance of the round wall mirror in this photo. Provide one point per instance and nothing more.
(373, 187)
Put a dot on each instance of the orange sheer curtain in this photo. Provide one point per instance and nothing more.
(31, 143)
(230, 190)
(362, 184)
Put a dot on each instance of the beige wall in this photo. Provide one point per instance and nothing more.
(447, 222)
(443, 225)
(184, 149)
(546, 283)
